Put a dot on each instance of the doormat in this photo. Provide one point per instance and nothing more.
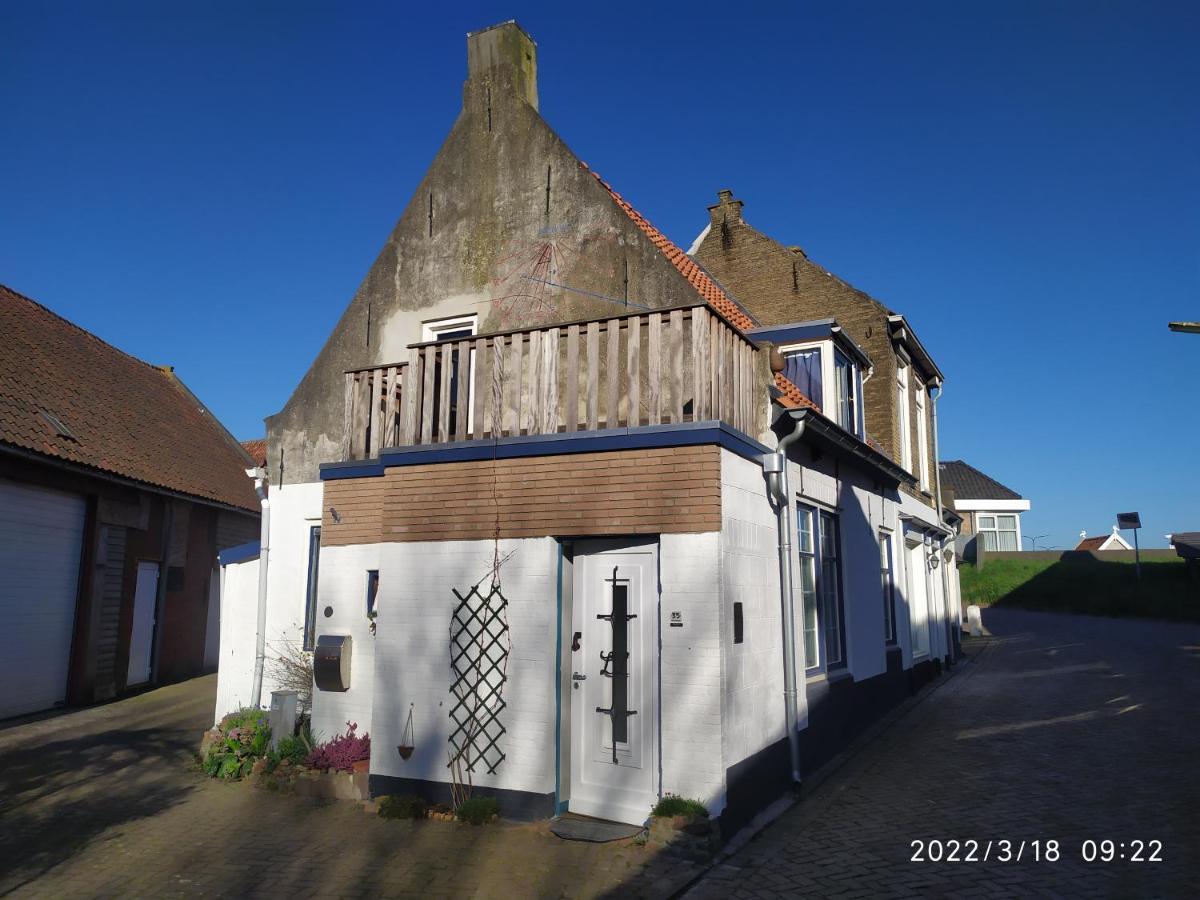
(597, 831)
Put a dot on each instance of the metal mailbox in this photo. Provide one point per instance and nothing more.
(331, 662)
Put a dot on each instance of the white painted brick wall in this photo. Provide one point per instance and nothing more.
(753, 689)
(692, 675)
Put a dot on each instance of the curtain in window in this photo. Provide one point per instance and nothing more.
(803, 369)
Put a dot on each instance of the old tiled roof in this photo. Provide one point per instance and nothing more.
(1092, 543)
(968, 483)
(696, 276)
(64, 393)
(257, 449)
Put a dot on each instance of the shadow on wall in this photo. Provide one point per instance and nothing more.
(1083, 583)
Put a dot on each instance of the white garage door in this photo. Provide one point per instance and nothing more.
(41, 541)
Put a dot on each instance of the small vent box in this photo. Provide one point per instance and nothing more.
(331, 662)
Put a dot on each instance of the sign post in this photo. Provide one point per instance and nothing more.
(1132, 520)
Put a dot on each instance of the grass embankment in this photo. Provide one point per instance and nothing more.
(1084, 585)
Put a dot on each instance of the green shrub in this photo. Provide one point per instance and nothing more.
(671, 805)
(245, 737)
(405, 807)
(478, 810)
(293, 748)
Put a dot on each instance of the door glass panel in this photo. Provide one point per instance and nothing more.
(620, 663)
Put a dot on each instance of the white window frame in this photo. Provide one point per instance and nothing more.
(995, 530)
(826, 365)
(828, 592)
(902, 411)
(916, 544)
(854, 400)
(922, 434)
(887, 579)
(432, 330)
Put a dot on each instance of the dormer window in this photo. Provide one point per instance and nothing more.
(813, 367)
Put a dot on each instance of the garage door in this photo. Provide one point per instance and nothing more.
(41, 541)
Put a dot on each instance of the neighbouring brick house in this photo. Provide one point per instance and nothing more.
(117, 488)
(534, 489)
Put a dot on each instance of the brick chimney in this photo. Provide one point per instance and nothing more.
(504, 55)
(727, 211)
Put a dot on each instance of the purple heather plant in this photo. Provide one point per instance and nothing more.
(341, 752)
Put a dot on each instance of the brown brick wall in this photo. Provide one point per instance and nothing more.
(779, 285)
(656, 491)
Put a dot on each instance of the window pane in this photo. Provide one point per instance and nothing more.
(803, 369)
(804, 529)
(1006, 522)
(310, 600)
(885, 565)
(808, 593)
(1007, 541)
(619, 666)
(987, 521)
(829, 612)
(989, 540)
(829, 536)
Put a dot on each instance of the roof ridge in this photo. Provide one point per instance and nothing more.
(88, 334)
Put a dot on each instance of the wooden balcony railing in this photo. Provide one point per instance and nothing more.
(678, 365)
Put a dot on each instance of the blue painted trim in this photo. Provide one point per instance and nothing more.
(560, 805)
(782, 334)
(682, 434)
(240, 553)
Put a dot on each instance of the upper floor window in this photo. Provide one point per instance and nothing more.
(922, 435)
(820, 589)
(450, 329)
(998, 532)
(845, 378)
(902, 414)
(802, 368)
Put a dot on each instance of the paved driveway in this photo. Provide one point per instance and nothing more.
(1064, 728)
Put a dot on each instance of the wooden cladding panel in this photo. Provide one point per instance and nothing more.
(655, 491)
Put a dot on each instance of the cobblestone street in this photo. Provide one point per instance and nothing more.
(1062, 728)
(1059, 729)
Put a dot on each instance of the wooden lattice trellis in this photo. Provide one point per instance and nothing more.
(479, 650)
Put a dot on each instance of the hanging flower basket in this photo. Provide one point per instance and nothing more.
(405, 750)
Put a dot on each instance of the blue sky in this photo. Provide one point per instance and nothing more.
(205, 184)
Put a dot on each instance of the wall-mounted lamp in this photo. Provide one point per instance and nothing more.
(934, 561)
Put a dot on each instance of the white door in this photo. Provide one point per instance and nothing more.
(918, 597)
(614, 693)
(141, 636)
(41, 545)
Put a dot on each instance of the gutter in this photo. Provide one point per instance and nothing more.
(260, 636)
(775, 470)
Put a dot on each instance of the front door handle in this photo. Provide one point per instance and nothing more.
(576, 676)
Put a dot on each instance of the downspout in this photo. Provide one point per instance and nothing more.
(775, 470)
(937, 481)
(264, 547)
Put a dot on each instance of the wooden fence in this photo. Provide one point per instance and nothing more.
(678, 365)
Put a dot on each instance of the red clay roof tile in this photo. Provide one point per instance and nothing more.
(696, 276)
(125, 416)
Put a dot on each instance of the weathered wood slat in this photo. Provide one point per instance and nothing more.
(443, 416)
(496, 408)
(654, 368)
(675, 352)
(550, 347)
(593, 376)
(387, 437)
(348, 418)
(714, 366)
(430, 366)
(409, 396)
(515, 372)
(362, 414)
(462, 402)
(699, 365)
(612, 372)
(633, 361)
(571, 406)
(533, 418)
(480, 384)
(375, 429)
